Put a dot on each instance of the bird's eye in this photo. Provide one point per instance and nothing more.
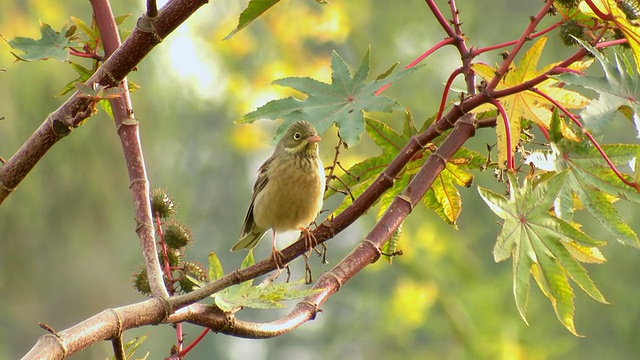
(297, 136)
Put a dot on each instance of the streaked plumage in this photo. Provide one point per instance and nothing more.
(288, 192)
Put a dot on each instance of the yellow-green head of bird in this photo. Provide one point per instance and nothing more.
(301, 138)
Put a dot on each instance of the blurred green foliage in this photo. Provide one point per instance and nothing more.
(67, 233)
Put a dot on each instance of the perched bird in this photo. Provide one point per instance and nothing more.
(288, 192)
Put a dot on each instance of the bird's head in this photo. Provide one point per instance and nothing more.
(301, 138)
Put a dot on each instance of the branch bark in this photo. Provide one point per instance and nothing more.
(128, 131)
(148, 33)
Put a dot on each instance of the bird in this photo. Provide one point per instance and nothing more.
(288, 192)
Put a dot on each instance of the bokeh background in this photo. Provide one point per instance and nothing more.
(67, 241)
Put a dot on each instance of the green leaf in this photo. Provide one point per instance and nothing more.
(540, 244)
(131, 346)
(618, 90)
(592, 182)
(52, 44)
(362, 174)
(342, 102)
(248, 260)
(106, 106)
(443, 197)
(84, 28)
(388, 71)
(215, 267)
(83, 75)
(268, 296)
(389, 248)
(250, 13)
(120, 19)
(448, 202)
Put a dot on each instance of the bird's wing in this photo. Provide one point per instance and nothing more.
(261, 182)
(249, 241)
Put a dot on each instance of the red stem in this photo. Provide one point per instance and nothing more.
(445, 92)
(166, 268)
(513, 42)
(600, 14)
(179, 339)
(435, 47)
(83, 54)
(193, 344)
(128, 132)
(544, 132)
(455, 18)
(419, 59)
(440, 18)
(504, 67)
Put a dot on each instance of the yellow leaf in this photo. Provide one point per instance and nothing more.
(630, 29)
(584, 254)
(527, 105)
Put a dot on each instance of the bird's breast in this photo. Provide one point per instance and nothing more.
(292, 196)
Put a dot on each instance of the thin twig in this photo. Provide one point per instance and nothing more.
(118, 348)
(152, 8)
(332, 167)
(504, 66)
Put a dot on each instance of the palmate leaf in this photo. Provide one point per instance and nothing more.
(443, 197)
(343, 102)
(618, 91)
(527, 105)
(540, 244)
(262, 297)
(591, 181)
(51, 45)
(244, 295)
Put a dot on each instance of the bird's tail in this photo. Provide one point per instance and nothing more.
(249, 241)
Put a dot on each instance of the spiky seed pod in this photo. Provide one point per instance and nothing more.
(571, 28)
(176, 234)
(174, 256)
(162, 203)
(194, 270)
(141, 281)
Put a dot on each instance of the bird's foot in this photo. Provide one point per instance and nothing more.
(278, 258)
(310, 241)
(308, 275)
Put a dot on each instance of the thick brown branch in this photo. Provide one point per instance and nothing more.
(106, 325)
(58, 124)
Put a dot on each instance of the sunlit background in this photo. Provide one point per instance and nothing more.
(67, 240)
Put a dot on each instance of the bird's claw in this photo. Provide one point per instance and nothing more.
(278, 259)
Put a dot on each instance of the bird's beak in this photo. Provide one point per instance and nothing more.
(314, 139)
